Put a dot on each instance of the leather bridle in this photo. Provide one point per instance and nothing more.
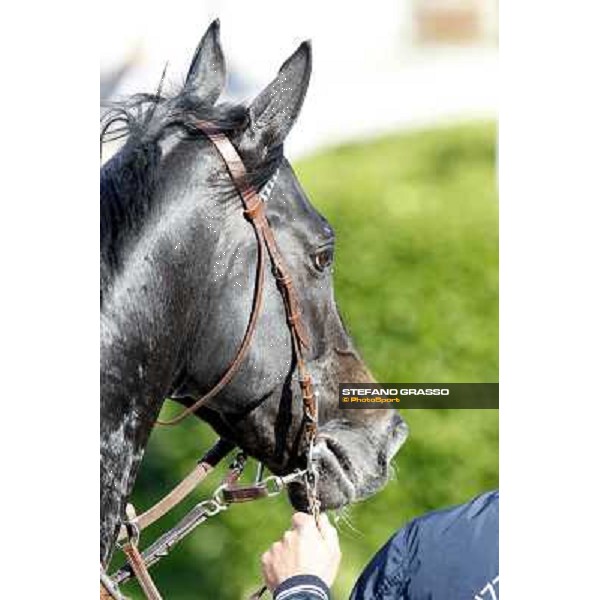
(229, 492)
(254, 211)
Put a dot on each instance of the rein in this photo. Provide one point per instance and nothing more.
(228, 492)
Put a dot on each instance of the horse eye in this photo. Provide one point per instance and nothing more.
(323, 258)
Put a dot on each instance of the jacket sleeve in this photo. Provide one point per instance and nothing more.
(447, 554)
(302, 587)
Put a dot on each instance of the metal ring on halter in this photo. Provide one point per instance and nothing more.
(215, 505)
(275, 484)
(293, 477)
(310, 455)
(217, 502)
(133, 535)
(259, 472)
(312, 474)
(131, 526)
(133, 531)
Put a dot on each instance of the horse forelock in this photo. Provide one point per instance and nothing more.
(128, 180)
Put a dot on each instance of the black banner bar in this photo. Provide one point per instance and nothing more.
(419, 395)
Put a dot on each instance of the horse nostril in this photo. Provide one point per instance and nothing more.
(397, 420)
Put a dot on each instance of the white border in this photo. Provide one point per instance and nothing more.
(49, 329)
(549, 194)
(549, 174)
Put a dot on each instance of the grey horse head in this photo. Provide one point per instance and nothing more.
(178, 272)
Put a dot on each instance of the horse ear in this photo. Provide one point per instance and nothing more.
(206, 77)
(274, 111)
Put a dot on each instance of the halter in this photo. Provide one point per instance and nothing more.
(229, 492)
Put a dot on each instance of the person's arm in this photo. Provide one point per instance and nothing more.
(304, 563)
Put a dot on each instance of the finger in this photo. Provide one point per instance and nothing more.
(328, 531)
(265, 562)
(289, 537)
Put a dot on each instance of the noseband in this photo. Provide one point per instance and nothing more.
(229, 492)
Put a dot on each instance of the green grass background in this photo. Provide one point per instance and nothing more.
(416, 275)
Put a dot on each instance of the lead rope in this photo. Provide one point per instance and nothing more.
(228, 492)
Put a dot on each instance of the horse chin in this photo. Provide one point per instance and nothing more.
(349, 468)
(334, 491)
(337, 478)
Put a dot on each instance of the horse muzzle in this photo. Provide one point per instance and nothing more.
(351, 463)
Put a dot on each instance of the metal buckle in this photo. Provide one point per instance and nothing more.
(275, 484)
(214, 506)
(131, 526)
(217, 501)
(311, 479)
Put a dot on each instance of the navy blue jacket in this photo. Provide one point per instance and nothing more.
(449, 554)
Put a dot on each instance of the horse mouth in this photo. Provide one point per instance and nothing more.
(336, 466)
(336, 483)
(350, 467)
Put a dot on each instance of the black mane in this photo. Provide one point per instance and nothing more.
(145, 117)
(128, 179)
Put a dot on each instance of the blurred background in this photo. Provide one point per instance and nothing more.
(396, 145)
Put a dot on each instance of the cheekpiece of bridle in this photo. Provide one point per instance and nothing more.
(229, 492)
(254, 211)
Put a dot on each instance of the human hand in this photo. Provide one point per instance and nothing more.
(303, 550)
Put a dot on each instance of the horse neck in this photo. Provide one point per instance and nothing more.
(131, 396)
(150, 308)
(142, 344)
